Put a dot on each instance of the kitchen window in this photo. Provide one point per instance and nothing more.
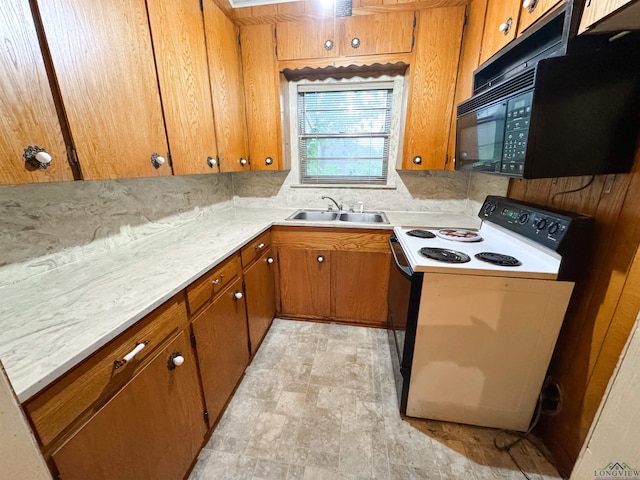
(344, 133)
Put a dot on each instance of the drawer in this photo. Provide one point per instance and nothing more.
(254, 249)
(212, 283)
(83, 390)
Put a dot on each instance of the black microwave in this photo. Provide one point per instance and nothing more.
(566, 116)
(554, 104)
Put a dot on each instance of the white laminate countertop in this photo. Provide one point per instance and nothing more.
(51, 322)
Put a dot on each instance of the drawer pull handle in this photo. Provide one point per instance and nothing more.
(218, 280)
(260, 246)
(270, 260)
(129, 356)
(175, 360)
(237, 295)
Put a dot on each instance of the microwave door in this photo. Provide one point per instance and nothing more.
(480, 139)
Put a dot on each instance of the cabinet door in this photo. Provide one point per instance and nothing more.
(359, 282)
(305, 282)
(376, 34)
(500, 26)
(260, 290)
(431, 88)
(597, 10)
(29, 116)
(103, 59)
(222, 343)
(532, 10)
(183, 74)
(153, 428)
(262, 94)
(303, 40)
(225, 71)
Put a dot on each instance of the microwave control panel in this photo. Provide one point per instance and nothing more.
(516, 133)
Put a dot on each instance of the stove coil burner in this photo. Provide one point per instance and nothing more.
(421, 234)
(498, 259)
(445, 255)
(459, 235)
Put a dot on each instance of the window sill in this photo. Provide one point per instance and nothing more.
(343, 185)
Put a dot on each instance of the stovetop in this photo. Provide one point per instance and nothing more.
(535, 261)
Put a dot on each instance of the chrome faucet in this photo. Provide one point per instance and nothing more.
(336, 203)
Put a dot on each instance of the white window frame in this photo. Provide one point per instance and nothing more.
(397, 83)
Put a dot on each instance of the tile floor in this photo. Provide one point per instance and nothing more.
(319, 402)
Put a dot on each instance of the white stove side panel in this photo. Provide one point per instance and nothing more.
(483, 346)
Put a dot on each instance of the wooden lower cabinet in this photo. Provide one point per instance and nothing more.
(152, 428)
(305, 282)
(331, 274)
(223, 347)
(260, 297)
(359, 281)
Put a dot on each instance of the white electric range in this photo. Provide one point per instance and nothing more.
(475, 314)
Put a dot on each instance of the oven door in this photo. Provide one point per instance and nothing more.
(480, 138)
(403, 299)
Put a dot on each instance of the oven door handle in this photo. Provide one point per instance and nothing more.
(405, 269)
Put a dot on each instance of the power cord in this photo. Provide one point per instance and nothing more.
(521, 436)
(553, 198)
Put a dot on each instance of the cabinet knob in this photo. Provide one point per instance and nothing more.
(237, 295)
(270, 260)
(417, 160)
(243, 161)
(268, 161)
(212, 162)
(355, 42)
(328, 44)
(36, 157)
(175, 360)
(260, 246)
(320, 259)
(505, 27)
(530, 5)
(156, 160)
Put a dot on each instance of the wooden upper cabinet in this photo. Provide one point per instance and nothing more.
(432, 80)
(596, 10)
(183, 74)
(532, 10)
(29, 116)
(383, 33)
(262, 94)
(302, 40)
(500, 26)
(103, 60)
(227, 91)
(376, 34)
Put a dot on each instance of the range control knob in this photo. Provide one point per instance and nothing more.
(541, 224)
(553, 228)
(489, 208)
(523, 218)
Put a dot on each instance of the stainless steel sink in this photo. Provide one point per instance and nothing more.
(365, 217)
(324, 216)
(314, 215)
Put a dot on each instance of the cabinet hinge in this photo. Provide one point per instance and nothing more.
(170, 159)
(205, 414)
(275, 38)
(413, 31)
(193, 341)
(73, 156)
(201, 6)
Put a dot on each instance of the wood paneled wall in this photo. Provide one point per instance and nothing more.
(604, 304)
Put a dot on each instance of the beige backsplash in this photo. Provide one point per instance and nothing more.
(44, 226)
(432, 191)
